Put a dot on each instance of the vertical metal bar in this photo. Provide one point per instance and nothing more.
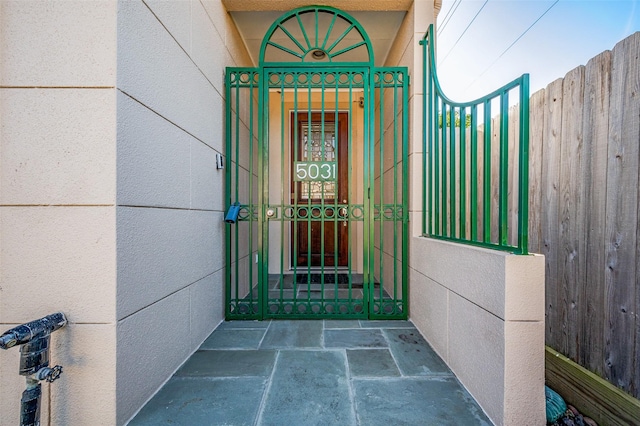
(452, 171)
(381, 187)
(296, 195)
(486, 193)
(350, 183)
(463, 173)
(236, 199)
(474, 173)
(263, 194)
(523, 184)
(227, 190)
(368, 179)
(436, 159)
(426, 108)
(395, 187)
(503, 207)
(445, 110)
(250, 200)
(309, 158)
(282, 185)
(336, 196)
(322, 185)
(405, 193)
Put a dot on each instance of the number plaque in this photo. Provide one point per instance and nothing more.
(314, 171)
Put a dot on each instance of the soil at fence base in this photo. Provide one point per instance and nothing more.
(573, 418)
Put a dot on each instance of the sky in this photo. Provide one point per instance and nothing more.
(474, 56)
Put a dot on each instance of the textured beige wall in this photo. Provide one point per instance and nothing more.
(407, 52)
(483, 312)
(404, 52)
(110, 204)
(57, 199)
(170, 197)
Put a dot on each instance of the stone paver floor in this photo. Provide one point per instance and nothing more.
(313, 373)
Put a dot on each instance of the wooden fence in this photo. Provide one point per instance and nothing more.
(585, 212)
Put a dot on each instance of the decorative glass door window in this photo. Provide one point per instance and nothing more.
(317, 168)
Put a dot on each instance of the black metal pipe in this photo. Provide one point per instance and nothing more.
(34, 338)
(29, 331)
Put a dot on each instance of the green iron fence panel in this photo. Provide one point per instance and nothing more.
(242, 292)
(476, 169)
(317, 161)
(389, 254)
(317, 246)
(311, 222)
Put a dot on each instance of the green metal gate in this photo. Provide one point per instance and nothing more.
(316, 147)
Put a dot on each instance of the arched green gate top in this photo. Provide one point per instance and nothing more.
(314, 35)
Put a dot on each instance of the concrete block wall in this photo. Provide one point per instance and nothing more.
(57, 199)
(110, 204)
(481, 310)
(406, 52)
(483, 313)
(170, 196)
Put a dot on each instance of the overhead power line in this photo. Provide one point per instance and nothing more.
(464, 32)
(449, 15)
(513, 44)
(449, 11)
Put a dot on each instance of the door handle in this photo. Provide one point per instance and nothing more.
(343, 211)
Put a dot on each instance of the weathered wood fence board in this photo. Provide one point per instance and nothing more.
(549, 208)
(536, 125)
(584, 212)
(571, 264)
(595, 129)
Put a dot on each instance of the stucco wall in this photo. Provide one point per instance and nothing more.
(483, 313)
(170, 197)
(57, 196)
(110, 204)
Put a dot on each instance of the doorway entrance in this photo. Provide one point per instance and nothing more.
(316, 158)
(319, 176)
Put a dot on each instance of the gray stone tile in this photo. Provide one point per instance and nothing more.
(204, 402)
(228, 363)
(413, 354)
(371, 363)
(281, 294)
(232, 325)
(354, 338)
(386, 324)
(309, 388)
(416, 401)
(293, 334)
(341, 324)
(329, 293)
(234, 339)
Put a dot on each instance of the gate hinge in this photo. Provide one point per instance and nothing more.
(408, 80)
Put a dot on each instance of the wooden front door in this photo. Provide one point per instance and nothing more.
(320, 236)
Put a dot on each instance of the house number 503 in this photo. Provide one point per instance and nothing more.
(306, 171)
